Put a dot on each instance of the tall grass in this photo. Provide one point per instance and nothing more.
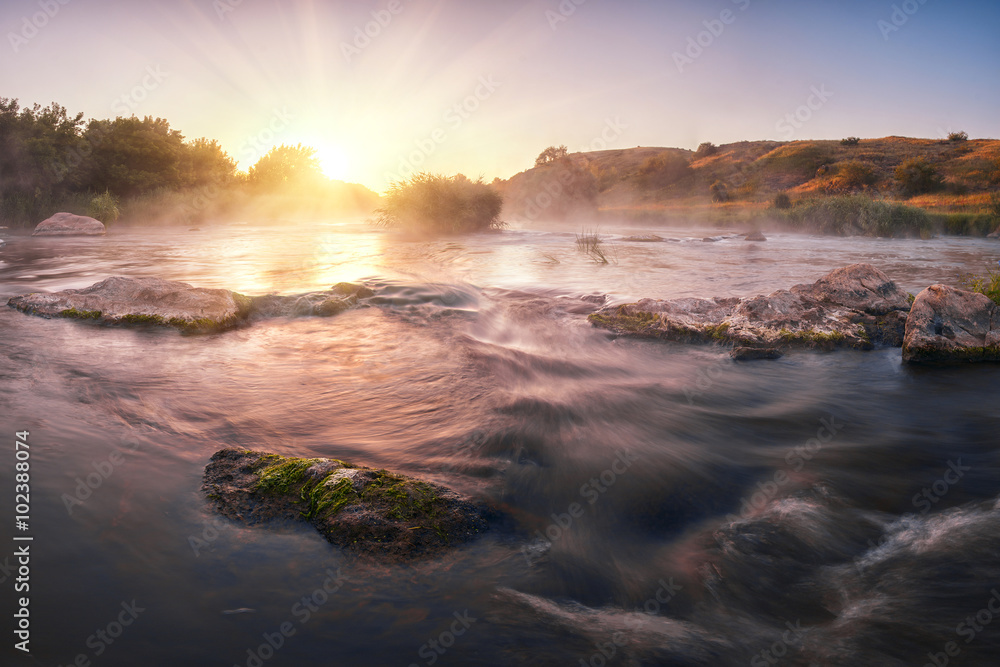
(858, 215)
(104, 207)
(965, 224)
(591, 243)
(20, 210)
(431, 202)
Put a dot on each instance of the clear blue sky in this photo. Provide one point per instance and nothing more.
(255, 73)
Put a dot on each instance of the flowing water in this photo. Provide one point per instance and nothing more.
(662, 505)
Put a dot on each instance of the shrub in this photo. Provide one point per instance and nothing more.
(859, 214)
(104, 207)
(433, 202)
(782, 201)
(958, 136)
(850, 141)
(988, 285)
(917, 176)
(855, 175)
(706, 149)
(720, 193)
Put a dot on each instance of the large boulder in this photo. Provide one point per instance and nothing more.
(119, 300)
(374, 513)
(856, 306)
(948, 325)
(67, 224)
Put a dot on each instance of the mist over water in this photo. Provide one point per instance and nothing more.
(662, 505)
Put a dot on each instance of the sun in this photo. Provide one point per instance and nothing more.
(333, 162)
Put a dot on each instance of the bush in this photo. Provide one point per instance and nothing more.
(432, 202)
(988, 285)
(958, 136)
(706, 149)
(917, 176)
(104, 207)
(855, 175)
(720, 193)
(850, 141)
(859, 214)
(782, 201)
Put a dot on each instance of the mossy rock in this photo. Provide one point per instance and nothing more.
(374, 513)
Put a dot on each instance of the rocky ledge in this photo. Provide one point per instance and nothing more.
(374, 513)
(857, 306)
(952, 325)
(153, 301)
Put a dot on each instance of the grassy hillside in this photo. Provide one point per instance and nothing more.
(742, 180)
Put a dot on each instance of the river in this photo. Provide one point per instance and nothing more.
(662, 504)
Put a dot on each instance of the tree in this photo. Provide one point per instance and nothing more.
(551, 154)
(129, 156)
(958, 136)
(719, 191)
(286, 166)
(208, 164)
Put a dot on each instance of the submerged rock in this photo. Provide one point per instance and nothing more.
(341, 297)
(856, 306)
(948, 324)
(67, 224)
(755, 353)
(644, 238)
(119, 300)
(375, 513)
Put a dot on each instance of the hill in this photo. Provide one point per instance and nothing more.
(936, 175)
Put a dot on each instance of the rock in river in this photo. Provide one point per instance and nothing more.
(119, 300)
(948, 324)
(856, 306)
(67, 224)
(375, 513)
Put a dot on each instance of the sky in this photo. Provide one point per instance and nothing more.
(386, 88)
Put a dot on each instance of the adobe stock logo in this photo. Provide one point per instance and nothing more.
(30, 25)
(899, 17)
(803, 114)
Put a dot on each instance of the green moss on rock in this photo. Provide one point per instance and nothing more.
(377, 512)
(75, 314)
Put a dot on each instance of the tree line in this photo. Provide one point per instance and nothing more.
(49, 157)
